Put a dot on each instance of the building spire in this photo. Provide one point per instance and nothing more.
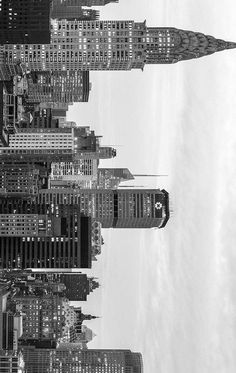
(170, 45)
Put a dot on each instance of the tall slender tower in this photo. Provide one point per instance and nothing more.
(129, 208)
(110, 45)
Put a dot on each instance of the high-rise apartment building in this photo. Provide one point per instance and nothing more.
(25, 21)
(43, 235)
(129, 208)
(111, 45)
(69, 360)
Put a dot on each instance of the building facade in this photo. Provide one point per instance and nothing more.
(25, 21)
(46, 317)
(22, 178)
(11, 362)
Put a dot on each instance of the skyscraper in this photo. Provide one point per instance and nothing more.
(11, 362)
(68, 360)
(24, 21)
(111, 45)
(87, 3)
(109, 178)
(55, 145)
(22, 178)
(58, 86)
(43, 236)
(64, 10)
(129, 208)
(78, 286)
(46, 316)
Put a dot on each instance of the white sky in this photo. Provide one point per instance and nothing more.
(170, 293)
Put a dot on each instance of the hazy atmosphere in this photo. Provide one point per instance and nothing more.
(170, 293)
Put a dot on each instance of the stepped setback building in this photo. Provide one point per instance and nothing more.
(110, 45)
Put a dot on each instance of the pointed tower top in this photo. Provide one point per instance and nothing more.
(225, 44)
(170, 45)
(93, 284)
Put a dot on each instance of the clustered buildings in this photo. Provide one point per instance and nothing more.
(55, 199)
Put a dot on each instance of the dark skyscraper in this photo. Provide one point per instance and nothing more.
(78, 286)
(43, 236)
(112, 45)
(24, 21)
(84, 361)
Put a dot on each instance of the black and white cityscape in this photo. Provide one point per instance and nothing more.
(56, 197)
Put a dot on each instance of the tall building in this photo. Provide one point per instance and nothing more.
(109, 178)
(129, 208)
(46, 317)
(58, 86)
(64, 10)
(57, 145)
(40, 145)
(87, 3)
(80, 317)
(111, 45)
(43, 235)
(25, 21)
(68, 360)
(41, 119)
(22, 178)
(78, 286)
(81, 172)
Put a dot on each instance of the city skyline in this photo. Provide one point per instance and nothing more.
(171, 275)
(170, 293)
